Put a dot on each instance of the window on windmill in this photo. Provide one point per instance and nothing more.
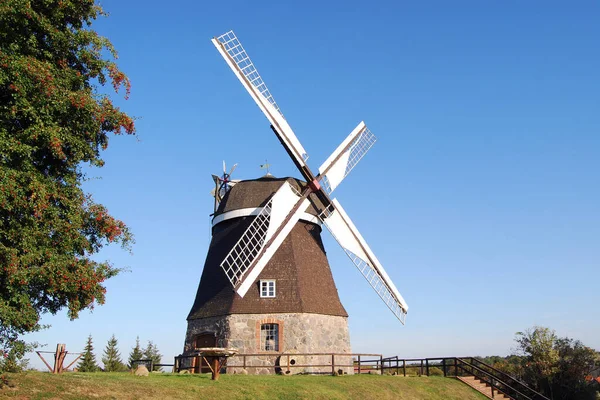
(269, 337)
(267, 288)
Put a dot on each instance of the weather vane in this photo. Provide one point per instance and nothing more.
(266, 166)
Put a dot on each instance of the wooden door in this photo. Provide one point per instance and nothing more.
(204, 340)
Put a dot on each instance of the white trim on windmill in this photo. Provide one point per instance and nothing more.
(267, 231)
(253, 211)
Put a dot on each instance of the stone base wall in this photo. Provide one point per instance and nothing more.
(298, 333)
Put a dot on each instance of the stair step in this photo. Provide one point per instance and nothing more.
(482, 387)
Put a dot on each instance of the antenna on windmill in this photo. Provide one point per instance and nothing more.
(274, 222)
(223, 184)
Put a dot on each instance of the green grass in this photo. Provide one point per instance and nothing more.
(38, 385)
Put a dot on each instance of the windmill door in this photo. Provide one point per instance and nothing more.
(204, 340)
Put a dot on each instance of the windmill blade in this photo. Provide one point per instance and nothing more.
(346, 156)
(236, 57)
(343, 230)
(233, 169)
(224, 168)
(262, 238)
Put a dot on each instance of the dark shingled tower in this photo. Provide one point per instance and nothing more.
(304, 316)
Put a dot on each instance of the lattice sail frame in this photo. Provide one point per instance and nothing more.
(346, 156)
(238, 60)
(243, 253)
(378, 284)
(237, 52)
(345, 233)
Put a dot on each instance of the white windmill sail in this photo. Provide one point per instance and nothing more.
(343, 230)
(346, 156)
(262, 238)
(236, 57)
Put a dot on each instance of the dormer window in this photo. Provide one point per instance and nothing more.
(267, 288)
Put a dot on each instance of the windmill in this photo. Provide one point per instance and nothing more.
(266, 269)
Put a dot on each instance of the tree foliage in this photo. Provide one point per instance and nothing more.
(541, 358)
(87, 363)
(13, 360)
(135, 354)
(111, 357)
(53, 120)
(151, 352)
(575, 363)
(556, 367)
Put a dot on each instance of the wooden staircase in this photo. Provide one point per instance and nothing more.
(482, 387)
(486, 379)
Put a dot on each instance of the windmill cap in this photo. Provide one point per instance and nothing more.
(255, 193)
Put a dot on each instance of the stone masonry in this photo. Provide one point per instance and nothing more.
(298, 333)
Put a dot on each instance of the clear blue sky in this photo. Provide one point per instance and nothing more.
(481, 197)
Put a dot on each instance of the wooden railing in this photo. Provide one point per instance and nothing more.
(285, 363)
(461, 366)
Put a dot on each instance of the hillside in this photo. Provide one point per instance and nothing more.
(38, 385)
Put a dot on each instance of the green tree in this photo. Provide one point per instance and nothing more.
(13, 360)
(576, 361)
(87, 363)
(151, 352)
(540, 361)
(556, 367)
(112, 358)
(136, 353)
(53, 121)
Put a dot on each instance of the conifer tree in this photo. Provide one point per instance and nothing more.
(136, 353)
(112, 357)
(88, 360)
(151, 352)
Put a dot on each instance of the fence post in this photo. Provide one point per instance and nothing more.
(444, 366)
(427, 366)
(381, 362)
(492, 386)
(333, 364)
(404, 367)
(421, 370)
(455, 367)
(359, 364)
(397, 366)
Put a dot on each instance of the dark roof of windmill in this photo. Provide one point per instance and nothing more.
(256, 193)
(304, 280)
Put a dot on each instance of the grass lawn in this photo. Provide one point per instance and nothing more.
(39, 385)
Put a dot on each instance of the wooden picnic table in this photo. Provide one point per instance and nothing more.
(214, 358)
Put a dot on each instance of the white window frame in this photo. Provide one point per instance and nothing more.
(269, 337)
(264, 288)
